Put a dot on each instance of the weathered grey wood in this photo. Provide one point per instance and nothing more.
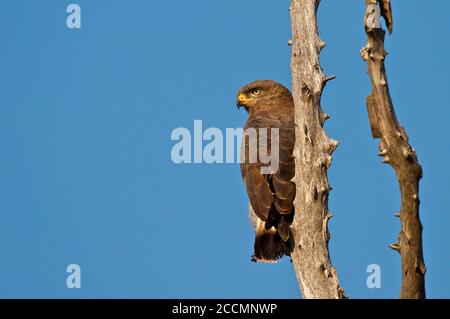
(397, 152)
(313, 149)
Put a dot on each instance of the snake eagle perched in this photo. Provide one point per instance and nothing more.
(270, 106)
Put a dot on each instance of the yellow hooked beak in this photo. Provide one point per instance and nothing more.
(241, 100)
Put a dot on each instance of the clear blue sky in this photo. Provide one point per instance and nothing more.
(85, 123)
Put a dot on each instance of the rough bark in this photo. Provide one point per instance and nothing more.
(313, 149)
(397, 152)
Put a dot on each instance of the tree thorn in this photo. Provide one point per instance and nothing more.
(364, 53)
(329, 78)
(382, 152)
(329, 216)
(394, 246)
(323, 117)
(321, 44)
(333, 144)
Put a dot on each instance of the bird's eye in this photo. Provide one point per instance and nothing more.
(255, 92)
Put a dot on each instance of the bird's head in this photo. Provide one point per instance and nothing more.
(261, 93)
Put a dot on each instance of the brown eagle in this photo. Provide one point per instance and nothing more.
(270, 107)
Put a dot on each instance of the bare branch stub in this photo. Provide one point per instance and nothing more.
(396, 151)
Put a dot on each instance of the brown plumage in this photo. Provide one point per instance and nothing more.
(270, 105)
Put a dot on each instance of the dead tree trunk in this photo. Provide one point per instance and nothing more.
(313, 149)
(396, 151)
